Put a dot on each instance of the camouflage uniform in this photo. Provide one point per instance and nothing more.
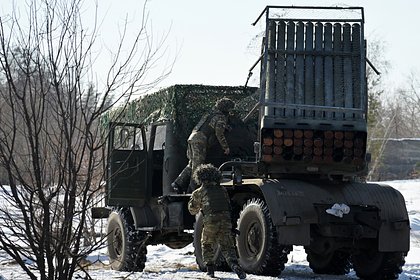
(214, 202)
(210, 126)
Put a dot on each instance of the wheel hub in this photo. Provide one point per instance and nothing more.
(118, 241)
(254, 238)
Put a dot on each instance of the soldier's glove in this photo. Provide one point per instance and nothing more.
(235, 231)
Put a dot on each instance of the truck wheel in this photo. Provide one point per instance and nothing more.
(371, 264)
(257, 245)
(334, 263)
(125, 249)
(219, 260)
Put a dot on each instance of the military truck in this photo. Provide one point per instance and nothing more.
(296, 172)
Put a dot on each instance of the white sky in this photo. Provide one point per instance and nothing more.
(213, 38)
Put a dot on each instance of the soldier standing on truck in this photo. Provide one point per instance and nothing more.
(213, 201)
(212, 125)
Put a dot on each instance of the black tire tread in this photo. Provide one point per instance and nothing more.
(136, 253)
(276, 255)
(389, 267)
(337, 264)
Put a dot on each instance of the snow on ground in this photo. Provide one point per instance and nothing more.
(165, 263)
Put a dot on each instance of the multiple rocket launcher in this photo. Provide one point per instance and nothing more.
(313, 87)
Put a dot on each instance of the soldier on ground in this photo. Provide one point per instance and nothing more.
(213, 201)
(210, 127)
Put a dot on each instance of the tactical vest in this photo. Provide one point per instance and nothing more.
(204, 124)
(215, 200)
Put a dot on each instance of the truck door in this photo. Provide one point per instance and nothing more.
(127, 165)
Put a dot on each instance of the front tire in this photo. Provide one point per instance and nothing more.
(125, 249)
(374, 265)
(257, 244)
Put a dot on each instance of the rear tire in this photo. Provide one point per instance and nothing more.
(218, 260)
(334, 263)
(125, 249)
(257, 244)
(374, 265)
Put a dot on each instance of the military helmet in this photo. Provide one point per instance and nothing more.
(207, 173)
(225, 104)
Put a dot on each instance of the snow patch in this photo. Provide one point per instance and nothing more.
(170, 264)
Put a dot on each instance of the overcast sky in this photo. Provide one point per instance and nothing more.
(215, 45)
(214, 41)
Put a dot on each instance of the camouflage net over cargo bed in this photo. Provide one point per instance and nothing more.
(184, 105)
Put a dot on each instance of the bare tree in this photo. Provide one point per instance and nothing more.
(51, 142)
(396, 117)
(409, 98)
(399, 119)
(376, 88)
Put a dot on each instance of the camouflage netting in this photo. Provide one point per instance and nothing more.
(184, 105)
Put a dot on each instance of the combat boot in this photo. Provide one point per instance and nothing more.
(210, 271)
(239, 271)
